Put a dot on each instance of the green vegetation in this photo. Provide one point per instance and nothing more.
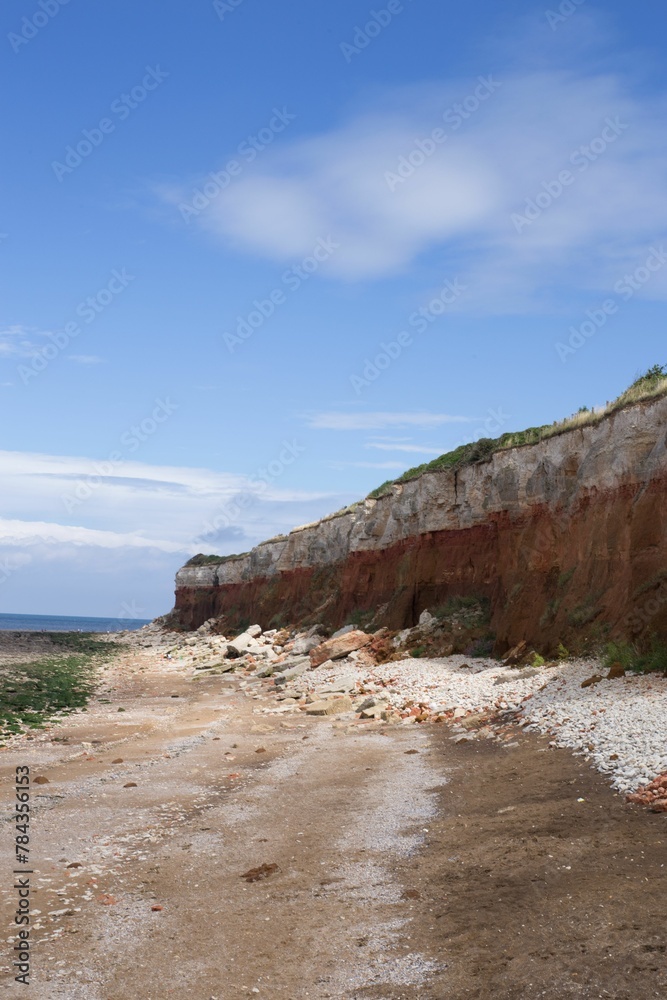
(641, 661)
(565, 578)
(584, 613)
(207, 560)
(562, 652)
(650, 385)
(550, 612)
(537, 660)
(467, 608)
(84, 642)
(32, 693)
(482, 648)
(656, 581)
(418, 651)
(359, 617)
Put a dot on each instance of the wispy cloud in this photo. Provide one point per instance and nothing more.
(416, 449)
(18, 342)
(61, 500)
(378, 421)
(20, 533)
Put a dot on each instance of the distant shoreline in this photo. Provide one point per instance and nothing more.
(68, 623)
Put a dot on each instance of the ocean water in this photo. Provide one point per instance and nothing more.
(62, 623)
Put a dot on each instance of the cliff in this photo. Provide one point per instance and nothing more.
(566, 538)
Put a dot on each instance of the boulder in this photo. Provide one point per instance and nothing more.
(296, 668)
(335, 649)
(343, 631)
(616, 670)
(304, 644)
(376, 712)
(343, 684)
(333, 706)
(516, 654)
(254, 631)
(244, 643)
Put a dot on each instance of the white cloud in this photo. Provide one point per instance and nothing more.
(92, 535)
(377, 421)
(20, 533)
(96, 502)
(16, 342)
(461, 200)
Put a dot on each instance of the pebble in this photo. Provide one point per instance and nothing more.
(619, 724)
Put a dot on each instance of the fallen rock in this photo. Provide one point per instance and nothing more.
(595, 679)
(254, 631)
(335, 649)
(304, 644)
(41, 781)
(333, 706)
(616, 670)
(376, 712)
(244, 643)
(343, 631)
(516, 654)
(474, 721)
(261, 872)
(653, 795)
(342, 686)
(296, 670)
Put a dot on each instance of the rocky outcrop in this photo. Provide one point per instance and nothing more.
(565, 538)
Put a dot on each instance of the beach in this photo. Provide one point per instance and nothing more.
(190, 841)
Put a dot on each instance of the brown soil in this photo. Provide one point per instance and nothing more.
(457, 871)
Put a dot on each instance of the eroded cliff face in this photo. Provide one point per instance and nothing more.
(567, 537)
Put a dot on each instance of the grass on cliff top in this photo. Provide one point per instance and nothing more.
(32, 693)
(207, 560)
(650, 385)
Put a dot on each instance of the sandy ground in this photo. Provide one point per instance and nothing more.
(406, 866)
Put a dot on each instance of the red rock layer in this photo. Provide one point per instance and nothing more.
(553, 574)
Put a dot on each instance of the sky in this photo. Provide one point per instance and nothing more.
(256, 259)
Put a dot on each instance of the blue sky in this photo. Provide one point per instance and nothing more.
(255, 263)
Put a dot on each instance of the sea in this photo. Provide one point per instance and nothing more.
(64, 623)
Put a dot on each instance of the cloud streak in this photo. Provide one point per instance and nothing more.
(378, 421)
